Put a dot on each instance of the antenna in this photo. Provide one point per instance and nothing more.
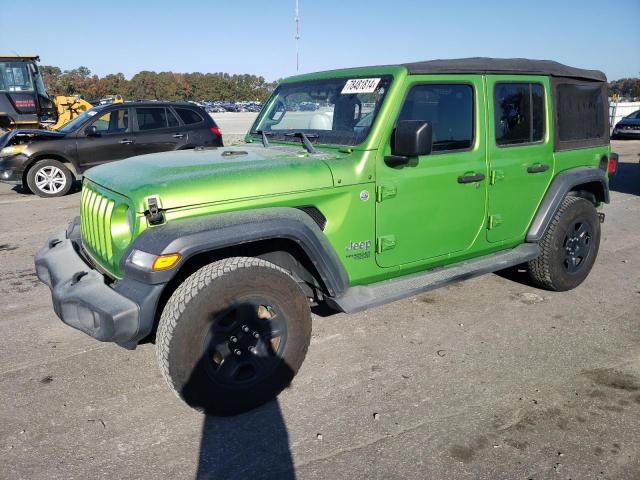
(297, 37)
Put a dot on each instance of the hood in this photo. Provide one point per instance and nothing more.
(193, 177)
(27, 135)
(629, 121)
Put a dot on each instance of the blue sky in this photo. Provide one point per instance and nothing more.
(251, 36)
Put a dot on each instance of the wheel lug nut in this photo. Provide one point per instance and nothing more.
(245, 328)
(256, 335)
(253, 350)
(237, 351)
(233, 339)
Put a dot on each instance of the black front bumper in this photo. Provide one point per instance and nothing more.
(123, 312)
(12, 169)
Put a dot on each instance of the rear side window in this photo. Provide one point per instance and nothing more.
(580, 112)
(188, 116)
(519, 113)
(449, 108)
(155, 117)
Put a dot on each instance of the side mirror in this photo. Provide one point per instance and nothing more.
(412, 138)
(91, 131)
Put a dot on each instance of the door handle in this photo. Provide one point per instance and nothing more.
(538, 168)
(475, 177)
(178, 135)
(126, 141)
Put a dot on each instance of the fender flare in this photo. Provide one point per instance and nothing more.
(192, 236)
(54, 155)
(562, 184)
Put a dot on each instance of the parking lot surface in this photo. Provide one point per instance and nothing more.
(490, 378)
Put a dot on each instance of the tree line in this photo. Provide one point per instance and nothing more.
(196, 86)
(149, 85)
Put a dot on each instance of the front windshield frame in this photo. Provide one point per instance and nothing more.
(362, 124)
(78, 121)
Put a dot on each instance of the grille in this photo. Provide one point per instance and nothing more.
(95, 224)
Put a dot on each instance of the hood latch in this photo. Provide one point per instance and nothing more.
(154, 212)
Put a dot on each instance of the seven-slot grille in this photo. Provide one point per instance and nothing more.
(95, 223)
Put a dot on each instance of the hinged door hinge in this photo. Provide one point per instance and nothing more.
(386, 242)
(495, 176)
(383, 192)
(494, 221)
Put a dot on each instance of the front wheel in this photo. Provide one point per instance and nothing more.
(233, 335)
(569, 247)
(49, 178)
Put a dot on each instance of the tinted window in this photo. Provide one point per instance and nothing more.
(154, 117)
(188, 116)
(115, 121)
(449, 108)
(172, 121)
(581, 112)
(519, 112)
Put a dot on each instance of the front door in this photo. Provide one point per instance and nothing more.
(435, 206)
(520, 152)
(158, 130)
(113, 139)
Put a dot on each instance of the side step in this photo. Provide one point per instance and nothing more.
(358, 298)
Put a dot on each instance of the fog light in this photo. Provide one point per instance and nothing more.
(7, 174)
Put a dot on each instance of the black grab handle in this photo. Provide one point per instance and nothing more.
(476, 177)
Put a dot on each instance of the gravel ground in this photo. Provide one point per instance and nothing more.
(489, 379)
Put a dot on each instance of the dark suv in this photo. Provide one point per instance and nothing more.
(47, 161)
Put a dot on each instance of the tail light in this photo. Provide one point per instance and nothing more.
(612, 166)
(217, 131)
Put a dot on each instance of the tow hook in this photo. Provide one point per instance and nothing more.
(601, 217)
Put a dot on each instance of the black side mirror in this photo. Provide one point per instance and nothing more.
(412, 138)
(91, 131)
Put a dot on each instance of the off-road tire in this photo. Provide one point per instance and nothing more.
(194, 309)
(547, 271)
(62, 173)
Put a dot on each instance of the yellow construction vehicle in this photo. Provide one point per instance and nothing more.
(24, 101)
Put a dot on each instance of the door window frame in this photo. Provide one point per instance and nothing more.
(545, 99)
(474, 120)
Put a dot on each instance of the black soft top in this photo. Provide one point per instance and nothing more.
(515, 66)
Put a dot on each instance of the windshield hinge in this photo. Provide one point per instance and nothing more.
(154, 213)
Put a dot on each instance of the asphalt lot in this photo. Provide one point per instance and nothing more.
(489, 379)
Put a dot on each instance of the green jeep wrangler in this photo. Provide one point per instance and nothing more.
(355, 188)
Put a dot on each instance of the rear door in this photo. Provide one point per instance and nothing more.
(520, 150)
(157, 130)
(198, 130)
(114, 139)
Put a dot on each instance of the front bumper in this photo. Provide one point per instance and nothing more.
(626, 133)
(123, 312)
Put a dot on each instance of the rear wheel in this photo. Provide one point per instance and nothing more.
(569, 247)
(49, 178)
(233, 335)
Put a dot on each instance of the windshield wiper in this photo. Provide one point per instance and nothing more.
(263, 134)
(305, 139)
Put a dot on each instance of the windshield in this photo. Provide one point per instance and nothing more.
(337, 111)
(72, 125)
(15, 77)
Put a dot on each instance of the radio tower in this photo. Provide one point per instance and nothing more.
(297, 37)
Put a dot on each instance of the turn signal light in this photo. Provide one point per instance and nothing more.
(165, 261)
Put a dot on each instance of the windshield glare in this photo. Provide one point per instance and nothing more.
(337, 111)
(71, 125)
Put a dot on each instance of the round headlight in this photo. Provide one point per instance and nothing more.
(121, 226)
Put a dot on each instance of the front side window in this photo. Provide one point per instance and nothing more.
(153, 118)
(449, 108)
(15, 77)
(115, 121)
(338, 111)
(519, 113)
